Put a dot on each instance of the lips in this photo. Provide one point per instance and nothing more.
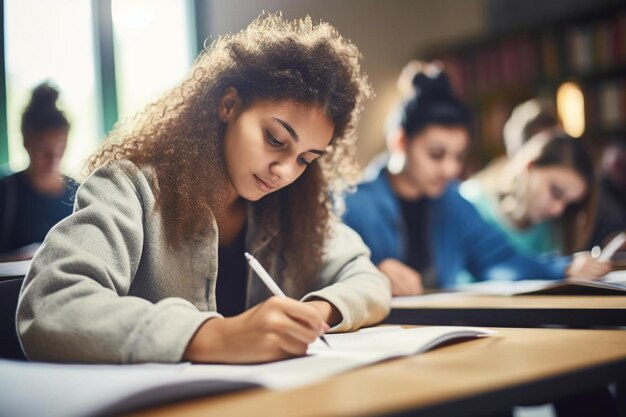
(264, 185)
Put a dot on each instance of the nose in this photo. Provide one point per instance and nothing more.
(283, 172)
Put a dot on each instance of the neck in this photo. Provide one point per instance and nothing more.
(404, 187)
(231, 221)
(45, 183)
(521, 223)
(514, 212)
(232, 200)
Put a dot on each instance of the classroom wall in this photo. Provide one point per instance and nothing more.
(388, 33)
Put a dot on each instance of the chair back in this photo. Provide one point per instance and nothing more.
(10, 347)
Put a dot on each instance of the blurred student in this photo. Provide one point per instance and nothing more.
(421, 231)
(543, 198)
(527, 120)
(243, 155)
(34, 200)
(611, 217)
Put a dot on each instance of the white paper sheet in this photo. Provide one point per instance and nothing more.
(55, 390)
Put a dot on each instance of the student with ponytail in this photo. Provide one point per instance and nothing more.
(34, 200)
(422, 232)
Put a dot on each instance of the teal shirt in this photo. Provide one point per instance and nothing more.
(539, 238)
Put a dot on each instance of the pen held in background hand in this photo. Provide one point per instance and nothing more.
(610, 249)
(269, 282)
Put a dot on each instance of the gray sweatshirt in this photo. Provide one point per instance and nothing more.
(105, 287)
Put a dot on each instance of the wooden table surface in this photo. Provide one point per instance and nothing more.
(511, 311)
(469, 378)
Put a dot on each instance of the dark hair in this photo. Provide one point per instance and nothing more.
(42, 113)
(272, 59)
(578, 218)
(563, 150)
(431, 101)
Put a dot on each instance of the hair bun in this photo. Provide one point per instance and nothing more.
(41, 112)
(44, 97)
(424, 79)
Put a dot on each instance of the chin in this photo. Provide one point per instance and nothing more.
(435, 192)
(255, 197)
(252, 194)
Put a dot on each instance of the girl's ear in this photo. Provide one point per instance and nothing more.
(229, 105)
(397, 141)
(397, 144)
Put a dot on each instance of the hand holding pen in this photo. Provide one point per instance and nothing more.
(276, 329)
(595, 265)
(605, 254)
(269, 282)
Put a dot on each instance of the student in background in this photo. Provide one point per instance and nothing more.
(543, 198)
(34, 200)
(611, 217)
(527, 120)
(421, 231)
(243, 155)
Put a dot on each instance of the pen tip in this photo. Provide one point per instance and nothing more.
(325, 341)
(247, 255)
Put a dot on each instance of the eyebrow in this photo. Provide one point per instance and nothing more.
(294, 135)
(288, 128)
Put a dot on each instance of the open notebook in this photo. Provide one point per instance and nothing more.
(37, 389)
(613, 283)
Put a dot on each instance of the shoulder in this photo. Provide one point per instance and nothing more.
(123, 170)
(14, 178)
(374, 188)
(472, 190)
(4, 181)
(71, 184)
(117, 179)
(371, 200)
(452, 197)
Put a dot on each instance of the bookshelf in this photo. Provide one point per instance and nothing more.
(495, 73)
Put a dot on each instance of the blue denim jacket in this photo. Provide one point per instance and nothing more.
(460, 239)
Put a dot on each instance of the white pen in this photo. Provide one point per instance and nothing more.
(612, 247)
(269, 282)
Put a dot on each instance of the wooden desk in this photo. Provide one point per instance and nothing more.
(515, 311)
(472, 378)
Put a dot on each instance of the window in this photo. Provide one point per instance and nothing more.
(52, 40)
(152, 50)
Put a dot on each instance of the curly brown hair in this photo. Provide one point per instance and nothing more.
(181, 135)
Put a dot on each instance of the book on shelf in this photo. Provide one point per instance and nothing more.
(37, 389)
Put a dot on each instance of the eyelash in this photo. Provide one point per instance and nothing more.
(278, 144)
(556, 193)
(273, 141)
(303, 161)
